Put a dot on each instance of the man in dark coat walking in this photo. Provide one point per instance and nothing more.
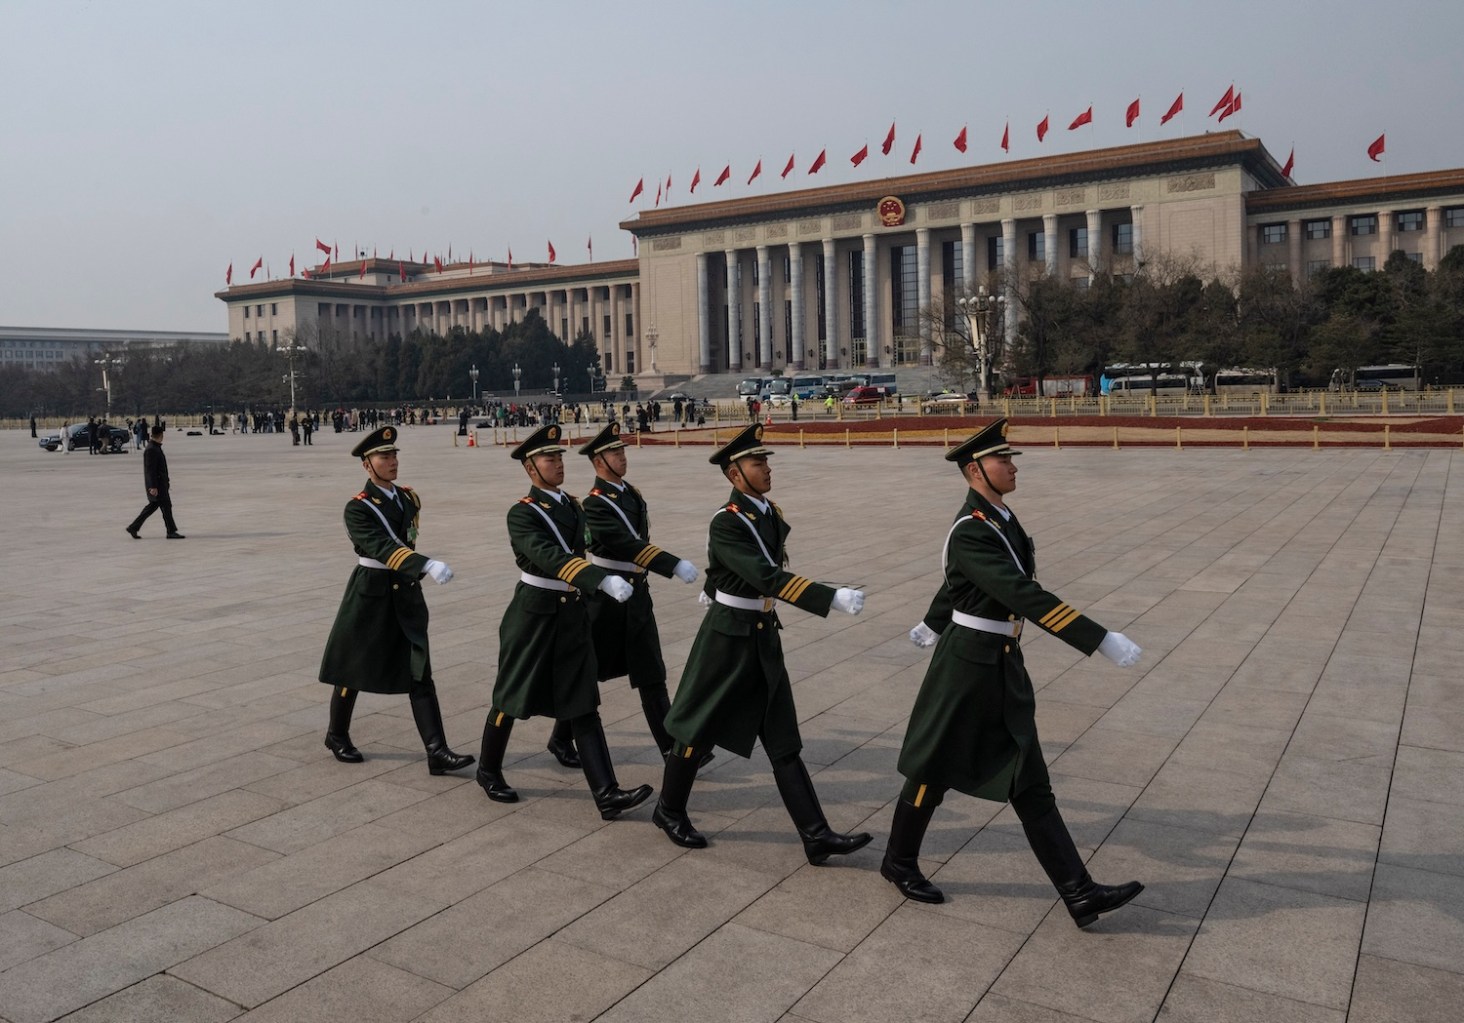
(735, 689)
(546, 659)
(155, 479)
(973, 727)
(379, 640)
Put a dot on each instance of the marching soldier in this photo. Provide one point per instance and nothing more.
(546, 659)
(379, 640)
(627, 641)
(735, 689)
(973, 727)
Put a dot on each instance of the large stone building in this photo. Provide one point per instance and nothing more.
(48, 348)
(836, 277)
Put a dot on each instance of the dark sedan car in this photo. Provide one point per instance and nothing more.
(115, 439)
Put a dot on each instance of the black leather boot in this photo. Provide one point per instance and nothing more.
(656, 704)
(901, 866)
(338, 732)
(490, 762)
(610, 799)
(670, 813)
(819, 841)
(428, 715)
(1084, 897)
(561, 744)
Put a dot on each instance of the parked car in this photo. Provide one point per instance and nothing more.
(114, 439)
(865, 395)
(950, 401)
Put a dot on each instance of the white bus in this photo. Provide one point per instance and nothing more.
(1240, 380)
(1138, 386)
(1395, 376)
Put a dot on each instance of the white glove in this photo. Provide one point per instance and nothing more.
(848, 600)
(685, 571)
(703, 599)
(1119, 649)
(923, 635)
(439, 572)
(617, 588)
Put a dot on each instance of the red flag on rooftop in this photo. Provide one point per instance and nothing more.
(1225, 101)
(789, 168)
(640, 186)
(960, 142)
(915, 153)
(437, 263)
(1234, 106)
(257, 264)
(1042, 128)
(860, 156)
(229, 274)
(551, 252)
(305, 273)
(1290, 163)
(1174, 108)
(1132, 115)
(722, 177)
(510, 257)
(322, 246)
(668, 186)
(362, 275)
(1377, 148)
(756, 170)
(1086, 117)
(889, 141)
(325, 267)
(819, 161)
(1006, 138)
(695, 180)
(401, 271)
(337, 254)
(590, 246)
(292, 264)
(658, 195)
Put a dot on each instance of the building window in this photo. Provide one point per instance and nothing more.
(1078, 242)
(994, 252)
(1410, 220)
(1454, 217)
(1365, 263)
(787, 270)
(246, 312)
(757, 328)
(856, 293)
(605, 324)
(756, 265)
(1081, 283)
(1273, 234)
(274, 337)
(818, 287)
(787, 328)
(564, 329)
(1123, 239)
(1316, 266)
(630, 325)
(259, 309)
(1036, 247)
(1317, 230)
(630, 363)
(1365, 223)
(1416, 257)
(274, 308)
(904, 289)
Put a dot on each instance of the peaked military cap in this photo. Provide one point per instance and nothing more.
(991, 440)
(749, 441)
(380, 441)
(543, 441)
(607, 439)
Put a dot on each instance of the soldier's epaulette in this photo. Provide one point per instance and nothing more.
(526, 500)
(596, 492)
(774, 505)
(361, 496)
(733, 508)
(403, 486)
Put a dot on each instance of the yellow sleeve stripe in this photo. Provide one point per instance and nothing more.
(1061, 623)
(572, 568)
(646, 556)
(1046, 620)
(398, 556)
(793, 588)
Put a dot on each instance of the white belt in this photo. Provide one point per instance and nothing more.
(543, 583)
(745, 603)
(370, 563)
(996, 625)
(617, 566)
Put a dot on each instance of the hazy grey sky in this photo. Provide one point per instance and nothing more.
(148, 145)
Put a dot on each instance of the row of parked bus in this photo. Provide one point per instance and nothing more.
(1122, 379)
(814, 387)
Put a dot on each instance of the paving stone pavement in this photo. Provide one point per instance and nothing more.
(1284, 769)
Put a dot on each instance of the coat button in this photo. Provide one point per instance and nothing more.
(759, 625)
(395, 586)
(1006, 649)
(564, 600)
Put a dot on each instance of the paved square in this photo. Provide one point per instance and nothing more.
(1283, 769)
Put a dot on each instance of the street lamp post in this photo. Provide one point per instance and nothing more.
(651, 337)
(291, 352)
(517, 375)
(555, 368)
(978, 309)
(107, 362)
(473, 373)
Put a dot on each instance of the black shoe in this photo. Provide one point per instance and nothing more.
(819, 840)
(444, 760)
(819, 848)
(498, 790)
(132, 532)
(341, 746)
(913, 885)
(176, 536)
(901, 865)
(678, 827)
(564, 751)
(1086, 901)
(613, 802)
(1084, 897)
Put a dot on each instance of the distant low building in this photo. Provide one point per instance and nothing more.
(47, 348)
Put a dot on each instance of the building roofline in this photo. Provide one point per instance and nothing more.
(1388, 188)
(1045, 171)
(343, 280)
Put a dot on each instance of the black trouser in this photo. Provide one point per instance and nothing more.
(162, 501)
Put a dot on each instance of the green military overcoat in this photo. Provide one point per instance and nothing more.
(627, 641)
(546, 659)
(379, 640)
(973, 727)
(735, 686)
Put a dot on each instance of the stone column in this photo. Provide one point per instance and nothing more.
(1095, 243)
(1050, 243)
(871, 306)
(704, 312)
(831, 304)
(1009, 276)
(968, 258)
(617, 317)
(637, 328)
(922, 272)
(764, 312)
(795, 297)
(1433, 233)
(1385, 235)
(1339, 240)
(734, 309)
(1293, 249)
